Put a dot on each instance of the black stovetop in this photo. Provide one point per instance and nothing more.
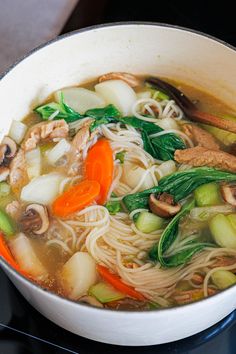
(22, 329)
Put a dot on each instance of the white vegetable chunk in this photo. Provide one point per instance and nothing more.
(33, 163)
(80, 99)
(133, 174)
(43, 189)
(58, 151)
(78, 275)
(24, 254)
(119, 93)
(144, 94)
(17, 131)
(166, 168)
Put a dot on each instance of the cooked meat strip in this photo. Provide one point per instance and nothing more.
(18, 174)
(78, 144)
(200, 137)
(130, 79)
(200, 156)
(184, 297)
(45, 131)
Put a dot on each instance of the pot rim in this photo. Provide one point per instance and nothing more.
(22, 278)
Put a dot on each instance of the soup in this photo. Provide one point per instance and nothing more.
(120, 193)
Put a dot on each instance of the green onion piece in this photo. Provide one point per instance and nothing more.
(153, 306)
(113, 206)
(120, 156)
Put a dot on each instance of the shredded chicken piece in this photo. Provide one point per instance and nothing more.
(130, 79)
(131, 265)
(197, 278)
(200, 137)
(14, 209)
(18, 174)
(45, 131)
(184, 297)
(200, 156)
(78, 144)
(224, 261)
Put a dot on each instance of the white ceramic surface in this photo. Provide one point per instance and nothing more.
(83, 55)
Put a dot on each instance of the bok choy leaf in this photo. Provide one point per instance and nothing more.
(61, 111)
(157, 252)
(161, 147)
(179, 184)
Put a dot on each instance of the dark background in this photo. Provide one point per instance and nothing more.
(217, 18)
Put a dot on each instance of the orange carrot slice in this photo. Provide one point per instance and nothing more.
(99, 167)
(76, 198)
(117, 283)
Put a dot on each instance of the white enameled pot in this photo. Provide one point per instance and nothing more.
(142, 48)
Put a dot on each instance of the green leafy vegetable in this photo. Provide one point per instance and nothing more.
(103, 115)
(161, 147)
(109, 111)
(157, 253)
(113, 206)
(185, 255)
(121, 156)
(179, 185)
(153, 306)
(65, 112)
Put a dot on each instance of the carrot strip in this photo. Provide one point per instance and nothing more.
(5, 253)
(117, 283)
(99, 167)
(76, 198)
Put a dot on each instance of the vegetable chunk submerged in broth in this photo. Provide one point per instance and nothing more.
(120, 193)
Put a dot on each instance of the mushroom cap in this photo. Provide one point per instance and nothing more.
(11, 146)
(163, 208)
(41, 210)
(228, 192)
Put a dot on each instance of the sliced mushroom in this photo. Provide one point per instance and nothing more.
(11, 147)
(35, 219)
(228, 192)
(4, 173)
(130, 79)
(91, 301)
(163, 205)
(3, 150)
